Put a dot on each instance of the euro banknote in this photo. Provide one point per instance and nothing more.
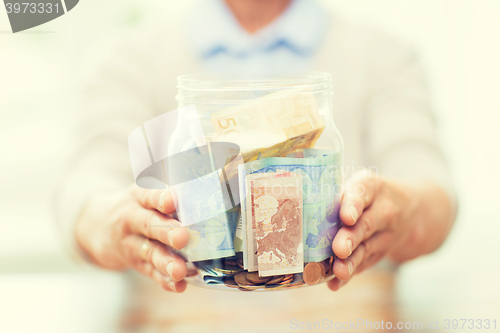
(250, 261)
(272, 125)
(276, 213)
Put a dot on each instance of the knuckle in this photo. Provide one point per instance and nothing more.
(147, 220)
(165, 284)
(150, 253)
(136, 264)
(368, 226)
(127, 247)
(148, 270)
(164, 263)
(391, 211)
(355, 200)
(152, 198)
(162, 233)
(359, 189)
(122, 225)
(365, 250)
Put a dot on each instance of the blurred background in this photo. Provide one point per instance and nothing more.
(460, 44)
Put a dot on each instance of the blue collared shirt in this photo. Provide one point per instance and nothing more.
(282, 47)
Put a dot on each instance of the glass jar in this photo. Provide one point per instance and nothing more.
(287, 139)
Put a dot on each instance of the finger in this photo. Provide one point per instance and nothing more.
(369, 262)
(164, 281)
(155, 225)
(345, 268)
(160, 200)
(348, 238)
(156, 254)
(375, 249)
(335, 284)
(358, 195)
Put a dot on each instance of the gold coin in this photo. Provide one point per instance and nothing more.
(255, 278)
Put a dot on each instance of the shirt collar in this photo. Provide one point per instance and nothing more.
(213, 29)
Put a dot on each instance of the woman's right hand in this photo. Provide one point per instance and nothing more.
(132, 229)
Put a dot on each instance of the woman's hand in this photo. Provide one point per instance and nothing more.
(385, 218)
(132, 229)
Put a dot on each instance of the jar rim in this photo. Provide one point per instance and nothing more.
(208, 81)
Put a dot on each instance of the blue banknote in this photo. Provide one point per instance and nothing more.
(321, 176)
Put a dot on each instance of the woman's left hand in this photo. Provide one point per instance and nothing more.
(376, 214)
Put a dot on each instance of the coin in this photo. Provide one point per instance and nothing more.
(276, 279)
(296, 284)
(313, 273)
(255, 278)
(286, 281)
(229, 282)
(227, 270)
(330, 266)
(242, 281)
(239, 262)
(275, 286)
(244, 289)
(229, 262)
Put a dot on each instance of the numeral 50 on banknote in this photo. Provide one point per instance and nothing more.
(228, 127)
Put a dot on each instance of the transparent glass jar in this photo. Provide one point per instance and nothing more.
(282, 126)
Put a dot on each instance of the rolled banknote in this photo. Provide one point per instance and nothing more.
(211, 239)
(238, 235)
(201, 207)
(276, 210)
(273, 125)
(321, 180)
(198, 179)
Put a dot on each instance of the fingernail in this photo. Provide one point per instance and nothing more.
(349, 245)
(172, 285)
(162, 201)
(349, 267)
(354, 213)
(170, 236)
(170, 268)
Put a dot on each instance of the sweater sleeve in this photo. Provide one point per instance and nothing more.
(113, 97)
(399, 124)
